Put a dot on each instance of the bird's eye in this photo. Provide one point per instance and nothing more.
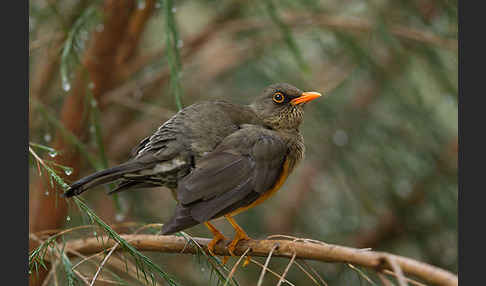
(278, 97)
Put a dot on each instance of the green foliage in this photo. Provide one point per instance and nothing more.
(286, 33)
(172, 43)
(76, 41)
(142, 262)
(71, 277)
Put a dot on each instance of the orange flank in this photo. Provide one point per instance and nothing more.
(269, 193)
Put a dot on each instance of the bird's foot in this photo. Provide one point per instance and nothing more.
(232, 246)
(240, 235)
(212, 243)
(217, 237)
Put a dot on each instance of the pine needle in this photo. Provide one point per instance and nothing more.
(287, 34)
(262, 274)
(173, 56)
(213, 262)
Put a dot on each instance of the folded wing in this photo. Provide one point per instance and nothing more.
(241, 169)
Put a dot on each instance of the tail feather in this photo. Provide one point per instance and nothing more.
(181, 220)
(102, 177)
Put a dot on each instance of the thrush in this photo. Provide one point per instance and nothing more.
(218, 158)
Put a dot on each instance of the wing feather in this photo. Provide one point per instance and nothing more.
(242, 168)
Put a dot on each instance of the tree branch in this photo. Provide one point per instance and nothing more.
(302, 249)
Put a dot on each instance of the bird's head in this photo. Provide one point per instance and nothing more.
(281, 105)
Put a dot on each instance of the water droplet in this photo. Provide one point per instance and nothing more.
(94, 233)
(94, 103)
(180, 43)
(119, 217)
(100, 28)
(141, 5)
(66, 86)
(46, 193)
(53, 153)
(91, 85)
(403, 187)
(83, 35)
(47, 137)
(68, 218)
(340, 138)
(32, 23)
(30, 272)
(68, 171)
(173, 9)
(203, 269)
(92, 129)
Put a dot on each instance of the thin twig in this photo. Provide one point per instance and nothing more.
(397, 270)
(86, 258)
(233, 270)
(384, 280)
(51, 273)
(109, 281)
(37, 157)
(85, 280)
(103, 263)
(293, 238)
(361, 273)
(287, 269)
(411, 281)
(315, 272)
(271, 271)
(306, 273)
(260, 280)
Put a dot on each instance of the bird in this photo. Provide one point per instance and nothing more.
(218, 159)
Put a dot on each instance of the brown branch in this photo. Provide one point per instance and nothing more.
(100, 58)
(378, 261)
(134, 31)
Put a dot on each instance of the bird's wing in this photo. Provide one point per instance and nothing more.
(243, 167)
(164, 139)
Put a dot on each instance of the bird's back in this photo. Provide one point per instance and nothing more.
(166, 156)
(196, 129)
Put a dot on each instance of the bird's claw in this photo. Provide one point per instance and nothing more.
(232, 246)
(234, 243)
(213, 243)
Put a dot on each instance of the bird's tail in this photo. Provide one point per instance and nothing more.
(181, 219)
(102, 177)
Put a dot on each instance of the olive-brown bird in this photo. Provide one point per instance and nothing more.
(218, 158)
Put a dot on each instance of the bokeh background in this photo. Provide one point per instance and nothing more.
(380, 169)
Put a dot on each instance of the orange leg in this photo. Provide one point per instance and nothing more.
(240, 235)
(218, 236)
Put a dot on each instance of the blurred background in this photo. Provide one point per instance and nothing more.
(380, 169)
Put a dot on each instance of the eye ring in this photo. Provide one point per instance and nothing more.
(278, 97)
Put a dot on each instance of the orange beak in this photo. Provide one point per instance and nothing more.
(305, 97)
